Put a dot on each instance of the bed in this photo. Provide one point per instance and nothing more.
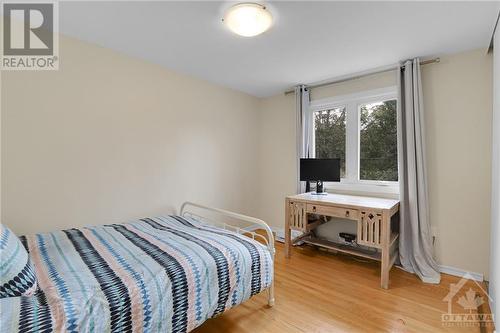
(162, 274)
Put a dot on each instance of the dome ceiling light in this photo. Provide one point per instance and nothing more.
(248, 19)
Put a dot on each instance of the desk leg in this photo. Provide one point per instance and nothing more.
(288, 233)
(384, 275)
(386, 258)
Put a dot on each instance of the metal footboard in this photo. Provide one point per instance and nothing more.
(268, 239)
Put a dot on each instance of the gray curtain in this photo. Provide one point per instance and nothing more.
(304, 134)
(415, 242)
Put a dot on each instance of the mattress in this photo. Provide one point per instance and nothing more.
(163, 274)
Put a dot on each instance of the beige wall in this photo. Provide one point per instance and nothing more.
(108, 138)
(277, 157)
(458, 104)
(370, 82)
(457, 98)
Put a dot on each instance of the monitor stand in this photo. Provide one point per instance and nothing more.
(319, 188)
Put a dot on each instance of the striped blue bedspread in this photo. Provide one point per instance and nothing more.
(164, 274)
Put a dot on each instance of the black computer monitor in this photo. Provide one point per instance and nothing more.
(320, 170)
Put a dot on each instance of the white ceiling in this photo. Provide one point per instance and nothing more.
(310, 41)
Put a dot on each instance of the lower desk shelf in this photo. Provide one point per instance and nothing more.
(341, 248)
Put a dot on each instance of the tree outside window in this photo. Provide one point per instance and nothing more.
(378, 152)
(330, 135)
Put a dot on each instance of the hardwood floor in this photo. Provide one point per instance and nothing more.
(322, 292)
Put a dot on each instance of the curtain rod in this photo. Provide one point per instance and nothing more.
(358, 76)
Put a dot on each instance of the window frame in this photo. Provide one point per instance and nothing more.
(352, 103)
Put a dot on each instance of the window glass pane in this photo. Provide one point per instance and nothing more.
(329, 134)
(378, 141)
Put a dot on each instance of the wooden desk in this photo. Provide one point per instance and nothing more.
(377, 225)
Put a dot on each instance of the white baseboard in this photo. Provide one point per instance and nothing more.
(254, 227)
(460, 272)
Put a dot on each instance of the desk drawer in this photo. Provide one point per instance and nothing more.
(345, 213)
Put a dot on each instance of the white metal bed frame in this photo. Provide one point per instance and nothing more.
(268, 241)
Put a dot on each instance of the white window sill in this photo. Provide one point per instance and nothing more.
(382, 189)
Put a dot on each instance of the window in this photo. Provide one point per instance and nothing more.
(361, 130)
(378, 154)
(329, 135)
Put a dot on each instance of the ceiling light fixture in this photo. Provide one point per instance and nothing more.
(248, 19)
